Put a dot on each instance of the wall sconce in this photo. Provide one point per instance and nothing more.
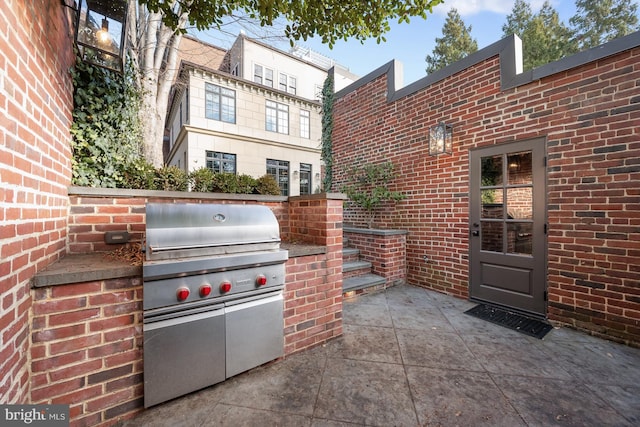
(440, 139)
(100, 32)
(295, 174)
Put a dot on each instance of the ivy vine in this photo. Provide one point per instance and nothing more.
(106, 135)
(326, 152)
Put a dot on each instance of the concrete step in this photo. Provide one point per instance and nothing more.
(363, 281)
(350, 254)
(355, 265)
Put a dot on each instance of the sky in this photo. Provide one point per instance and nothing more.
(408, 43)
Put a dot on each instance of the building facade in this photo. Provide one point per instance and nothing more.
(259, 113)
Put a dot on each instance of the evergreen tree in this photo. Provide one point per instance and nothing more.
(455, 43)
(597, 22)
(518, 20)
(544, 38)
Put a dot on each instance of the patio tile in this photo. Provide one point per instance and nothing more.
(236, 416)
(420, 318)
(544, 401)
(366, 314)
(513, 356)
(466, 324)
(409, 296)
(370, 343)
(378, 298)
(289, 386)
(368, 393)
(624, 399)
(436, 350)
(459, 398)
(608, 363)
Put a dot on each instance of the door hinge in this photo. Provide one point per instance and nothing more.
(546, 298)
(545, 161)
(545, 228)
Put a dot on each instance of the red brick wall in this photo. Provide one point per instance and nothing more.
(313, 291)
(386, 252)
(590, 116)
(87, 349)
(35, 169)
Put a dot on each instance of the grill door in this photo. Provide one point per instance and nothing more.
(183, 354)
(255, 332)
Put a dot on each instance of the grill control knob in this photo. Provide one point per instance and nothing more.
(182, 293)
(261, 280)
(205, 290)
(225, 287)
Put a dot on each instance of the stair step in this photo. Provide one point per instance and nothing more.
(350, 254)
(355, 265)
(362, 282)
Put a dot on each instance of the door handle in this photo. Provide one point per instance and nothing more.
(475, 233)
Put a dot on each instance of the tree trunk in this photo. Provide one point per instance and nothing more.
(154, 52)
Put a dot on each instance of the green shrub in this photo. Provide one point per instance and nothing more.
(201, 180)
(139, 174)
(246, 184)
(267, 185)
(171, 178)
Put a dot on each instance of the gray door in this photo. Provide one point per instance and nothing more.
(507, 197)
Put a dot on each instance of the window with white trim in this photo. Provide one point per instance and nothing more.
(287, 83)
(220, 103)
(277, 117)
(305, 124)
(221, 162)
(262, 75)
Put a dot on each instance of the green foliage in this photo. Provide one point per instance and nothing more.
(171, 178)
(105, 130)
(368, 187)
(139, 174)
(326, 153)
(455, 43)
(544, 38)
(201, 180)
(267, 184)
(597, 22)
(330, 19)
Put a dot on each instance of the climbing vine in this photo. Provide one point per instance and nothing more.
(326, 152)
(105, 132)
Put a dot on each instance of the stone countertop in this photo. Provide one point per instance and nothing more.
(79, 268)
(85, 268)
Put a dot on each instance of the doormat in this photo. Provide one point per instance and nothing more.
(532, 327)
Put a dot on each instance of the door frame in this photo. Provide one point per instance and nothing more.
(540, 219)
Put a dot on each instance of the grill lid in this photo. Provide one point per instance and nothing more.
(189, 229)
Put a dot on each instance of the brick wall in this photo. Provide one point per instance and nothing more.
(313, 291)
(35, 170)
(384, 249)
(87, 337)
(589, 113)
(87, 349)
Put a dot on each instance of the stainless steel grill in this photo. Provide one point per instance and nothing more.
(213, 280)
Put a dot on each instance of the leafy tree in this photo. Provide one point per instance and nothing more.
(544, 38)
(455, 43)
(597, 22)
(155, 29)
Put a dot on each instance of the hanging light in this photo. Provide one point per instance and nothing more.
(100, 32)
(440, 139)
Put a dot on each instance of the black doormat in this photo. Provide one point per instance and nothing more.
(532, 327)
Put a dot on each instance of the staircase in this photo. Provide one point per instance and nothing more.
(356, 274)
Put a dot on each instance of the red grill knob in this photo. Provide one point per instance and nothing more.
(261, 280)
(225, 287)
(205, 290)
(182, 293)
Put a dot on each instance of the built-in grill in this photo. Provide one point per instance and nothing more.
(213, 280)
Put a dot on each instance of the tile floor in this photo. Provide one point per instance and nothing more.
(411, 357)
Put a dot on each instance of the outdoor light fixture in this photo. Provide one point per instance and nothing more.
(440, 139)
(100, 32)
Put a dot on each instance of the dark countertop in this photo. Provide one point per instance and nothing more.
(77, 268)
